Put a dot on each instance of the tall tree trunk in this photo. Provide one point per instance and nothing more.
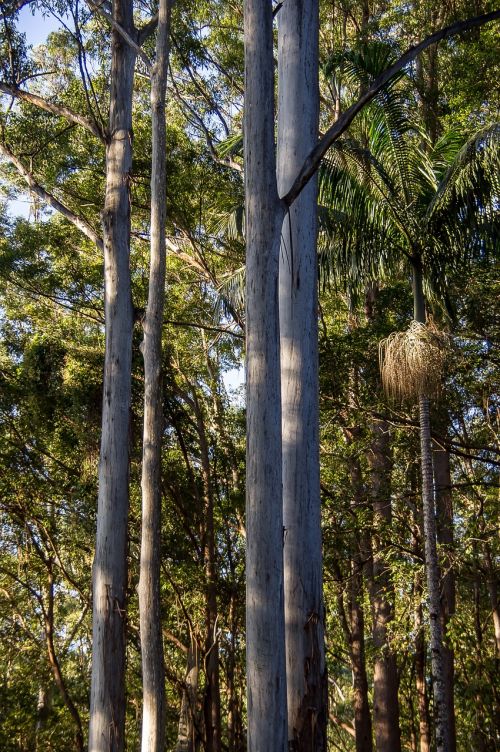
(492, 585)
(304, 609)
(385, 679)
(362, 717)
(54, 661)
(421, 685)
(107, 700)
(430, 545)
(444, 509)
(356, 633)
(265, 624)
(186, 735)
(153, 678)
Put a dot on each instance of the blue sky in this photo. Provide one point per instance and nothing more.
(35, 26)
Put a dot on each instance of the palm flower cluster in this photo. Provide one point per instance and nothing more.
(412, 362)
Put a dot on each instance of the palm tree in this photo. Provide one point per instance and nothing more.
(390, 197)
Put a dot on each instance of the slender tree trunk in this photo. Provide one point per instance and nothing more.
(430, 545)
(444, 508)
(265, 625)
(362, 717)
(304, 609)
(385, 678)
(492, 585)
(153, 679)
(356, 633)
(54, 661)
(421, 686)
(186, 735)
(107, 701)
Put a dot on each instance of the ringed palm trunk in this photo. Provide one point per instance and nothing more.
(265, 624)
(430, 546)
(444, 508)
(107, 701)
(304, 608)
(153, 679)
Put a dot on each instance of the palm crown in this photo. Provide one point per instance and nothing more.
(387, 193)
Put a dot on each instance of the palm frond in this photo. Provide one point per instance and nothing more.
(463, 215)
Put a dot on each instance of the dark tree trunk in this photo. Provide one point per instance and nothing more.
(444, 509)
(385, 678)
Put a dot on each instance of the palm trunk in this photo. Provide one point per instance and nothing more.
(265, 624)
(421, 685)
(385, 679)
(430, 543)
(153, 679)
(444, 508)
(304, 608)
(107, 702)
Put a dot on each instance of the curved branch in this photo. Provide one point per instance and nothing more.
(312, 161)
(55, 109)
(80, 223)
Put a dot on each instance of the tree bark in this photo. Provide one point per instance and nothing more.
(430, 543)
(298, 23)
(153, 678)
(423, 702)
(444, 509)
(385, 679)
(186, 736)
(54, 661)
(356, 633)
(107, 703)
(265, 627)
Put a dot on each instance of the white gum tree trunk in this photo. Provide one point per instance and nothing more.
(304, 610)
(153, 679)
(107, 702)
(265, 627)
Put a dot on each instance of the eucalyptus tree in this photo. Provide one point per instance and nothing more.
(298, 112)
(153, 708)
(265, 212)
(392, 199)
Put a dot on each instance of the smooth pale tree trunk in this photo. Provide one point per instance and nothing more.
(107, 701)
(442, 721)
(385, 678)
(153, 675)
(298, 24)
(444, 508)
(265, 624)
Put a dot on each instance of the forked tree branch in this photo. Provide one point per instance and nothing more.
(80, 223)
(124, 34)
(313, 160)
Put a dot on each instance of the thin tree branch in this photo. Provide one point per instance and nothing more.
(55, 109)
(80, 223)
(313, 160)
